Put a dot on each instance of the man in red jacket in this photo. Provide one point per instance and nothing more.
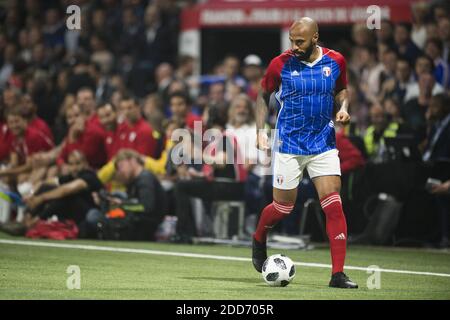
(107, 116)
(135, 133)
(83, 136)
(22, 142)
(29, 110)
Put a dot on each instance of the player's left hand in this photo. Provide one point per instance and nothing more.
(342, 117)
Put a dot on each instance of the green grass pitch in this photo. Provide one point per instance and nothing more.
(36, 272)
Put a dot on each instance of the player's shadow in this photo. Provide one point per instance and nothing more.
(221, 279)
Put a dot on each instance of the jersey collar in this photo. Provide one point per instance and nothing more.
(311, 64)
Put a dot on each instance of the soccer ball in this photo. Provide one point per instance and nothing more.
(278, 270)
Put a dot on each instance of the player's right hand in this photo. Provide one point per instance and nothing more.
(262, 141)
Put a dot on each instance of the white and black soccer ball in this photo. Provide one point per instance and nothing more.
(278, 270)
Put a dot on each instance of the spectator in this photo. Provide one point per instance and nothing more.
(135, 132)
(216, 94)
(231, 67)
(380, 128)
(107, 116)
(253, 73)
(242, 125)
(389, 66)
(104, 83)
(180, 107)
(53, 29)
(144, 202)
(419, 31)
(22, 142)
(10, 98)
(163, 77)
(370, 73)
(444, 35)
(361, 35)
(385, 34)
(30, 113)
(186, 68)
(129, 36)
(396, 87)
(424, 65)
(414, 109)
(84, 137)
(434, 49)
(437, 155)
(86, 101)
(8, 64)
(67, 196)
(152, 103)
(154, 46)
(392, 108)
(100, 26)
(438, 119)
(440, 10)
(405, 46)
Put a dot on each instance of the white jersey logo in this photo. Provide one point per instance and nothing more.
(326, 71)
(295, 73)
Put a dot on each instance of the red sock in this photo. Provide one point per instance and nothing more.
(336, 229)
(271, 214)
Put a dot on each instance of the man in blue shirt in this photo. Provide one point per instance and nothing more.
(307, 80)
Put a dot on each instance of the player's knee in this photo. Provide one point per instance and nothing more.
(283, 207)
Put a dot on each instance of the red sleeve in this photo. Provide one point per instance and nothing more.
(272, 77)
(341, 81)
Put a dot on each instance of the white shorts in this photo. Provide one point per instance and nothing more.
(288, 168)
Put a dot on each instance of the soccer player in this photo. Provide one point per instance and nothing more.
(307, 80)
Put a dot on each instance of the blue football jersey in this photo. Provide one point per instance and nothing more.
(305, 95)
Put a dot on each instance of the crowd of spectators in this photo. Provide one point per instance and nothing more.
(106, 99)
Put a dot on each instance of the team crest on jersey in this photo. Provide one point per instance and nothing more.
(280, 179)
(326, 71)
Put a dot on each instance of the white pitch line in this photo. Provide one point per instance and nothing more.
(198, 255)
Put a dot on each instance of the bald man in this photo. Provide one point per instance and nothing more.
(307, 80)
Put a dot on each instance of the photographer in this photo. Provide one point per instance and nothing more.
(141, 208)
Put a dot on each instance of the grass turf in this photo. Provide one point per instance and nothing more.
(28, 272)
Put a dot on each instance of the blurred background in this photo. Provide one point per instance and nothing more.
(181, 61)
